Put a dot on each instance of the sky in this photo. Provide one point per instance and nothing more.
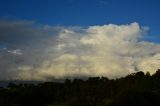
(54, 39)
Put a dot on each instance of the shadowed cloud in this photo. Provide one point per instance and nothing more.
(39, 52)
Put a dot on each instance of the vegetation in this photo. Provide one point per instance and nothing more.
(137, 89)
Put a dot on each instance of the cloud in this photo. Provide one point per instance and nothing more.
(56, 52)
(16, 52)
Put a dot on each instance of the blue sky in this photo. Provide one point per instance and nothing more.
(85, 12)
(45, 39)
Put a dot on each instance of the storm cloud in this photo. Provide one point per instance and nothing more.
(31, 51)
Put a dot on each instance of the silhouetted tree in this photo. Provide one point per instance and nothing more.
(148, 74)
(157, 73)
(137, 89)
(140, 74)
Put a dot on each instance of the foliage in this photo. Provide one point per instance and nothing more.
(137, 89)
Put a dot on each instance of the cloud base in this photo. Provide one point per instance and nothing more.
(42, 52)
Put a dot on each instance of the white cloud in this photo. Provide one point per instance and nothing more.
(58, 52)
(16, 51)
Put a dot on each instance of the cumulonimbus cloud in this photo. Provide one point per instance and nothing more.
(49, 52)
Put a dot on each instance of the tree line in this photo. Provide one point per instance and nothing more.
(137, 89)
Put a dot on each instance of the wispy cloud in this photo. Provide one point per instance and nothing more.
(16, 52)
(60, 52)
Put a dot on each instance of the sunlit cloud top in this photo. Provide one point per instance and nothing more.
(29, 51)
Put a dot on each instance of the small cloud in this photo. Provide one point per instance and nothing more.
(15, 52)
